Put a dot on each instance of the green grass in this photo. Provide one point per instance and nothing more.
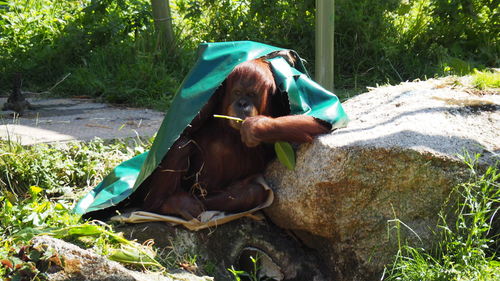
(104, 49)
(36, 214)
(110, 51)
(39, 185)
(486, 79)
(62, 168)
(466, 250)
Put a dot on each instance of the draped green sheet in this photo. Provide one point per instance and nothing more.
(215, 62)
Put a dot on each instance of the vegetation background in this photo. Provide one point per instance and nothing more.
(110, 49)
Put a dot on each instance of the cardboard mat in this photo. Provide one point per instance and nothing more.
(204, 220)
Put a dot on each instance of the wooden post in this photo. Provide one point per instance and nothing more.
(163, 23)
(325, 15)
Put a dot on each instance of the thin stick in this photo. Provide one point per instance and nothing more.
(228, 117)
(59, 82)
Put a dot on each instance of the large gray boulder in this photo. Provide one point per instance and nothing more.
(397, 159)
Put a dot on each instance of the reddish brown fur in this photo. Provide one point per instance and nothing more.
(255, 74)
(213, 164)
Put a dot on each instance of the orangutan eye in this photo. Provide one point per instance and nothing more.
(252, 94)
(237, 92)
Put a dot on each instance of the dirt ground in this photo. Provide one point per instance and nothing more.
(53, 120)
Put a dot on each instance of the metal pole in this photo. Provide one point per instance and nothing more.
(325, 15)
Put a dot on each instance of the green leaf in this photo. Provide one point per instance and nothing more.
(26, 234)
(35, 255)
(494, 263)
(35, 190)
(78, 230)
(285, 154)
(86, 230)
(133, 255)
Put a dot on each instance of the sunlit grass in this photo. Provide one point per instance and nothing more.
(486, 79)
(465, 250)
(38, 186)
(35, 214)
(62, 168)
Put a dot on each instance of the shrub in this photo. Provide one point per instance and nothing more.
(111, 50)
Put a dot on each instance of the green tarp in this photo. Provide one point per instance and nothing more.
(215, 62)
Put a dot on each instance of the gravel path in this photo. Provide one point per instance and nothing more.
(76, 119)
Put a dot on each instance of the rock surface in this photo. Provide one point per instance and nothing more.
(231, 244)
(398, 158)
(84, 265)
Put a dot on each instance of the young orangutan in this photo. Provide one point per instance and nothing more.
(214, 163)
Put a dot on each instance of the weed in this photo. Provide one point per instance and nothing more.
(35, 215)
(252, 275)
(61, 168)
(29, 210)
(465, 250)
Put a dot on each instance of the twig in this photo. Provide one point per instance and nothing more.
(59, 82)
(228, 117)
(400, 78)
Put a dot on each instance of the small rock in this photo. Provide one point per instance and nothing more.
(85, 265)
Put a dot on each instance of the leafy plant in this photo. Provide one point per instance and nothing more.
(110, 51)
(59, 167)
(29, 263)
(34, 215)
(466, 249)
(29, 210)
(252, 275)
